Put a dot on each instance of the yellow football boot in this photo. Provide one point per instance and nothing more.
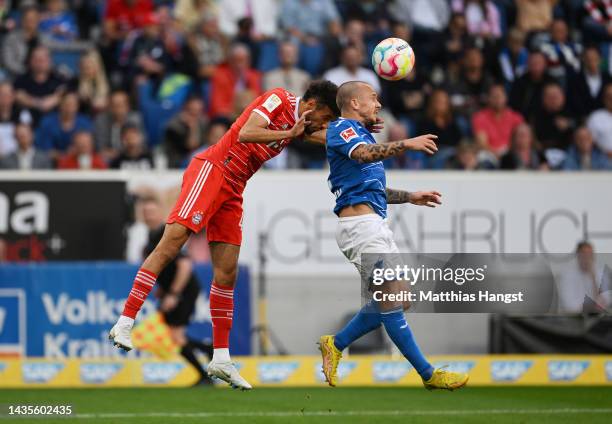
(331, 358)
(446, 380)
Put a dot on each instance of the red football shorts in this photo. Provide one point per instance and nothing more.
(208, 201)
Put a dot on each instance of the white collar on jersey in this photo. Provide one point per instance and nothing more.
(297, 108)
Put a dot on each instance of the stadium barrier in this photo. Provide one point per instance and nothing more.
(305, 371)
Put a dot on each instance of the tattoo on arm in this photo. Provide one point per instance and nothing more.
(397, 196)
(368, 153)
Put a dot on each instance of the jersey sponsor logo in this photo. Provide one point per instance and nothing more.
(456, 366)
(274, 372)
(160, 373)
(40, 372)
(272, 103)
(344, 370)
(566, 370)
(98, 373)
(390, 371)
(348, 134)
(196, 218)
(509, 370)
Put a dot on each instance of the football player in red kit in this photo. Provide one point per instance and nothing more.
(211, 198)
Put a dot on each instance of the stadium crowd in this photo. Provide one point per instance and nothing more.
(137, 84)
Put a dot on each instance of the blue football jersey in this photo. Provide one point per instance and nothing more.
(350, 181)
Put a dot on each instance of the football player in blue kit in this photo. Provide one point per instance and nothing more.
(357, 179)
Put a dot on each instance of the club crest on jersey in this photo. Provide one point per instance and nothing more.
(196, 218)
(348, 134)
(272, 102)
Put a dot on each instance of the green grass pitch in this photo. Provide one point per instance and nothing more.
(539, 405)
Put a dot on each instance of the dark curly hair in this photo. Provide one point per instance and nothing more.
(324, 92)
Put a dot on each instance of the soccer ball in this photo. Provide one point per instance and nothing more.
(393, 59)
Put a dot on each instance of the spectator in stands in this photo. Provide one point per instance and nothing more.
(513, 57)
(585, 89)
(428, 19)
(456, 42)
(598, 20)
(406, 98)
(231, 80)
(523, 153)
(287, 75)
(585, 285)
(534, 15)
(554, 125)
(189, 13)
(309, 21)
(561, 53)
(148, 55)
(134, 154)
(468, 89)
(351, 69)
(439, 120)
(10, 116)
(57, 129)
(584, 155)
(108, 125)
(204, 49)
(82, 154)
(246, 36)
(600, 123)
(26, 156)
(373, 13)
(40, 88)
(263, 15)
(122, 16)
(493, 126)
(57, 23)
(217, 129)
(526, 91)
(92, 85)
(466, 158)
(19, 43)
(482, 17)
(353, 34)
(185, 133)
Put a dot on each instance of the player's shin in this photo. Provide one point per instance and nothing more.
(366, 320)
(398, 330)
(142, 286)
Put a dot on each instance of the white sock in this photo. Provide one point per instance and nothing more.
(123, 320)
(221, 355)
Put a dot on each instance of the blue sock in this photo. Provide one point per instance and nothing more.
(397, 328)
(366, 320)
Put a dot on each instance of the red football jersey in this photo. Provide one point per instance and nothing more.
(241, 160)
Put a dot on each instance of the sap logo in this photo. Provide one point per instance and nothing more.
(456, 366)
(160, 373)
(40, 372)
(509, 370)
(30, 214)
(566, 370)
(609, 370)
(2, 318)
(276, 372)
(2, 366)
(96, 373)
(344, 370)
(390, 370)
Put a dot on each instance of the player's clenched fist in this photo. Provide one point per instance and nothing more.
(423, 143)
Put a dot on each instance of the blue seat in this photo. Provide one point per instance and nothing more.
(268, 55)
(68, 59)
(311, 58)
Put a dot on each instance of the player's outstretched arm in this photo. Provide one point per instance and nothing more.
(255, 130)
(368, 153)
(420, 198)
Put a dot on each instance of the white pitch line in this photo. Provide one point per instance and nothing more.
(402, 413)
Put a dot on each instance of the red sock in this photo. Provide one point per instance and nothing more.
(143, 283)
(221, 311)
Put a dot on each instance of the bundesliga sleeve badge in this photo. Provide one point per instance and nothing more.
(272, 103)
(348, 134)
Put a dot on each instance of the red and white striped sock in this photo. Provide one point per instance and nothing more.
(221, 312)
(143, 283)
